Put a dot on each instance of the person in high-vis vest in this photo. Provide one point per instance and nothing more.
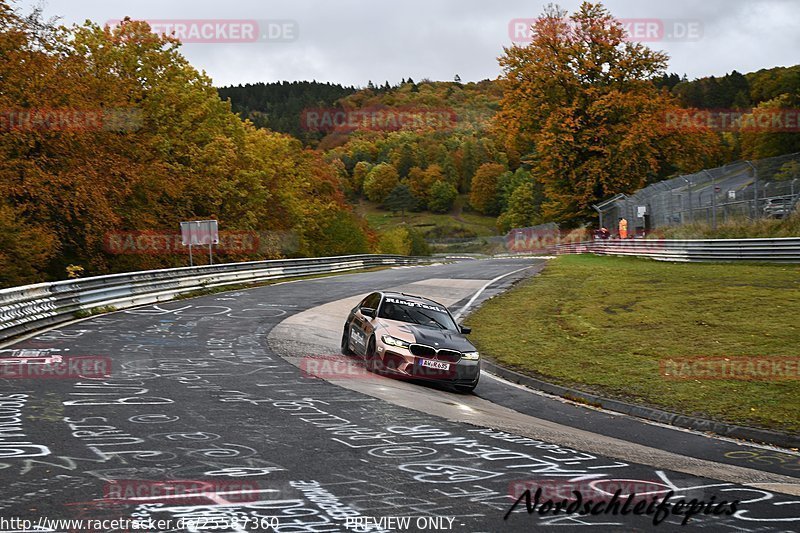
(623, 228)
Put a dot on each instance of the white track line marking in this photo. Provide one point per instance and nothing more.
(644, 420)
(480, 291)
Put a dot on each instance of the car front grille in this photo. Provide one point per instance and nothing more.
(448, 355)
(423, 350)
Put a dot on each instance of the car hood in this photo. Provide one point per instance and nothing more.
(431, 336)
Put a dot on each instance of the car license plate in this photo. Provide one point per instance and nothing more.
(438, 365)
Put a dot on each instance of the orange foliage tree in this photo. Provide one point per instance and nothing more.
(152, 145)
(579, 106)
(485, 193)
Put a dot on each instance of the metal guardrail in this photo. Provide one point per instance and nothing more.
(32, 307)
(784, 250)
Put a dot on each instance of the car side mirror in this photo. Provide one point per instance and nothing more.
(368, 312)
(465, 330)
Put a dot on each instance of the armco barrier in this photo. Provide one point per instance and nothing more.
(786, 250)
(32, 307)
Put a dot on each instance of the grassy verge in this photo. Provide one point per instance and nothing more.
(602, 324)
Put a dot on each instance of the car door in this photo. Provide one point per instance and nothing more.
(361, 327)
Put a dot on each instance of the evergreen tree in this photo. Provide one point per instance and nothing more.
(405, 160)
(400, 199)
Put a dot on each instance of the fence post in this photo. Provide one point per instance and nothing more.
(713, 200)
(689, 192)
(755, 190)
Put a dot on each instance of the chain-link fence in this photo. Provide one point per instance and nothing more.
(765, 188)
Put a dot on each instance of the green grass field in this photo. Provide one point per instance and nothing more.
(452, 224)
(602, 324)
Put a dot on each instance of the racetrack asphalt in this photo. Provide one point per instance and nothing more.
(208, 390)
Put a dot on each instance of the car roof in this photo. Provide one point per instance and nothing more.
(411, 297)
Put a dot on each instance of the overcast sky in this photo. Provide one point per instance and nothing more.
(353, 41)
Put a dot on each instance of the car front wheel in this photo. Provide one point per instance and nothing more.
(373, 360)
(346, 341)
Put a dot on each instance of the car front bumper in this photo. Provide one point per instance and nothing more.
(402, 363)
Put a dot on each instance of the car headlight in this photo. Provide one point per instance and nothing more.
(472, 356)
(394, 341)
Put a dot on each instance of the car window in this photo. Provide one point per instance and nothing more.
(414, 312)
(372, 300)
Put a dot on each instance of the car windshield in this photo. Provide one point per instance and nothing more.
(416, 312)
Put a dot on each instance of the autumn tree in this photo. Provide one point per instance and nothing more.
(360, 171)
(509, 182)
(395, 241)
(523, 208)
(485, 195)
(405, 160)
(157, 146)
(340, 234)
(441, 197)
(579, 106)
(434, 173)
(343, 177)
(24, 248)
(419, 183)
(788, 171)
(758, 144)
(403, 240)
(449, 169)
(469, 165)
(455, 152)
(380, 181)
